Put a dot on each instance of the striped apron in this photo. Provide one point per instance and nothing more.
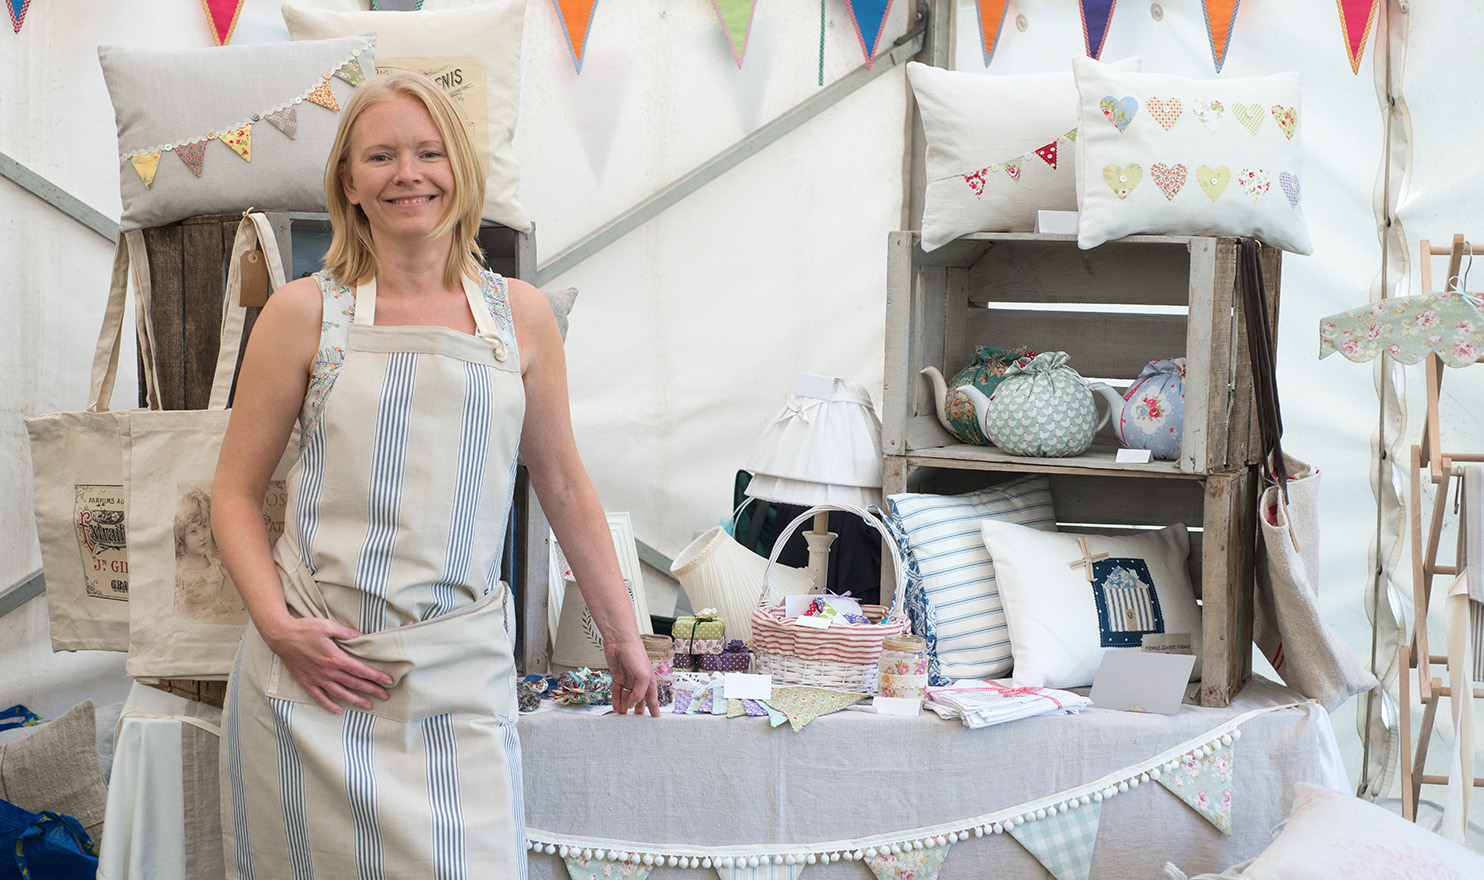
(395, 523)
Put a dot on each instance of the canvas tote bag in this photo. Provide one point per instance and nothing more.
(1287, 624)
(78, 475)
(186, 616)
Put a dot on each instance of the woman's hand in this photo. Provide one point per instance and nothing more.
(634, 684)
(309, 648)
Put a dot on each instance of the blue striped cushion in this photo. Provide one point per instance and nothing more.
(951, 590)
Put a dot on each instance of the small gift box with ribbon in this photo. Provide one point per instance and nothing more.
(701, 633)
(687, 662)
(736, 658)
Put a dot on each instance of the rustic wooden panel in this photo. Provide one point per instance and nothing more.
(1100, 345)
(1227, 562)
(899, 376)
(1051, 272)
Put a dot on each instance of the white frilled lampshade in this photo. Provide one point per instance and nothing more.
(823, 447)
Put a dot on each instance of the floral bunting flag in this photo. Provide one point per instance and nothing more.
(991, 19)
(576, 17)
(910, 864)
(1062, 841)
(285, 120)
(240, 140)
(736, 20)
(193, 155)
(1012, 168)
(17, 10)
(1221, 16)
(146, 165)
(764, 869)
(1356, 18)
(1203, 779)
(801, 705)
(599, 868)
(1095, 17)
(868, 17)
(221, 16)
(351, 72)
(324, 97)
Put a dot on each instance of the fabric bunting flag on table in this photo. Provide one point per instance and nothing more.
(868, 17)
(991, 19)
(736, 20)
(1356, 18)
(916, 864)
(801, 705)
(1096, 14)
(221, 17)
(1205, 782)
(595, 868)
(17, 10)
(576, 17)
(1221, 17)
(1063, 842)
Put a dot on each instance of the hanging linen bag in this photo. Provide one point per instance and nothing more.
(186, 616)
(78, 478)
(844, 655)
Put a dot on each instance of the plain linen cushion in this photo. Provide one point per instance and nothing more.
(55, 767)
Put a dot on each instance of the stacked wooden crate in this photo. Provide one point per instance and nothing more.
(1112, 309)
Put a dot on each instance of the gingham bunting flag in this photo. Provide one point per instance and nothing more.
(736, 20)
(1096, 14)
(1205, 782)
(1356, 18)
(1221, 16)
(576, 17)
(991, 19)
(221, 17)
(765, 870)
(868, 17)
(1063, 843)
(914, 864)
(596, 868)
(17, 10)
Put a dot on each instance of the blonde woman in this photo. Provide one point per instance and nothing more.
(369, 726)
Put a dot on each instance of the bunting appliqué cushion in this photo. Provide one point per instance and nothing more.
(1068, 597)
(219, 130)
(1158, 153)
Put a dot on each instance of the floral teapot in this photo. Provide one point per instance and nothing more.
(1151, 414)
(956, 411)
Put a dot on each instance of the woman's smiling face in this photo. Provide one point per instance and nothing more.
(398, 170)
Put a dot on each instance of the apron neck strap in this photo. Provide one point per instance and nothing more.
(484, 322)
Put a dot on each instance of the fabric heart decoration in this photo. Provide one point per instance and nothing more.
(1169, 178)
(1250, 115)
(1290, 186)
(1254, 183)
(1287, 119)
(1166, 111)
(1213, 181)
(1120, 111)
(1209, 113)
(1122, 178)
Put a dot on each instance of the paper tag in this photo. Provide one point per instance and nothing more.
(814, 622)
(897, 705)
(1168, 643)
(746, 686)
(1133, 456)
(1057, 222)
(254, 280)
(794, 606)
(810, 385)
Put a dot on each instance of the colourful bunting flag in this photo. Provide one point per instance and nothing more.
(221, 16)
(193, 155)
(1095, 17)
(599, 868)
(1221, 17)
(1356, 18)
(285, 120)
(17, 10)
(735, 709)
(324, 97)
(1048, 154)
(736, 20)
(351, 72)
(576, 17)
(765, 869)
(146, 166)
(1063, 842)
(1204, 781)
(801, 705)
(1012, 168)
(991, 19)
(240, 140)
(868, 17)
(910, 864)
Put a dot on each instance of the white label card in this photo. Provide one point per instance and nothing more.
(1133, 456)
(897, 705)
(810, 385)
(814, 622)
(746, 686)
(1140, 681)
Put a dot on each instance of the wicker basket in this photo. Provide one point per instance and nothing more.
(842, 657)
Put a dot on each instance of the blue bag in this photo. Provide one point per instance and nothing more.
(44, 846)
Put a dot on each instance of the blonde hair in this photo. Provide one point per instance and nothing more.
(194, 509)
(351, 256)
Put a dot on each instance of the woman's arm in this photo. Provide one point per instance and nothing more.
(570, 502)
(270, 391)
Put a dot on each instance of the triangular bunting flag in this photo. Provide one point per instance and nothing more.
(991, 17)
(240, 140)
(1048, 154)
(736, 20)
(324, 97)
(285, 120)
(1063, 843)
(868, 17)
(1356, 18)
(17, 10)
(1012, 168)
(351, 72)
(221, 16)
(1095, 17)
(1221, 16)
(764, 870)
(1205, 782)
(193, 155)
(976, 181)
(596, 868)
(576, 17)
(802, 705)
(917, 864)
(146, 166)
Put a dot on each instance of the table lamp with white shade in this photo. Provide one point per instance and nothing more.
(823, 447)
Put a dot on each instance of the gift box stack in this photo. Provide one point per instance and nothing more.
(734, 658)
(699, 636)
